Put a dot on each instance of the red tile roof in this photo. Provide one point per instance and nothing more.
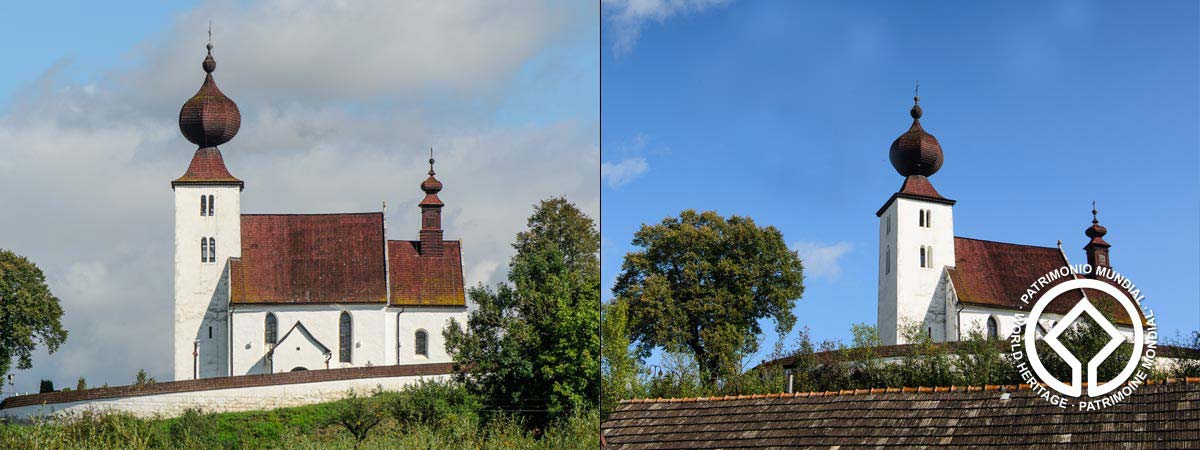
(426, 280)
(1158, 415)
(310, 258)
(339, 258)
(207, 167)
(996, 274)
(915, 187)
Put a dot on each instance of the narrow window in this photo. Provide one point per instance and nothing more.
(210, 332)
(889, 225)
(887, 261)
(993, 329)
(203, 250)
(344, 338)
(422, 344)
(272, 329)
(203, 205)
(212, 250)
(929, 256)
(921, 218)
(212, 205)
(928, 216)
(923, 256)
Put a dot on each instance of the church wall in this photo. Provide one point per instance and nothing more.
(909, 294)
(976, 317)
(369, 335)
(202, 288)
(433, 320)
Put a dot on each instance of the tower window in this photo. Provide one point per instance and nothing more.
(212, 250)
(210, 332)
(271, 327)
(422, 344)
(212, 204)
(924, 262)
(203, 250)
(887, 261)
(993, 328)
(889, 225)
(344, 338)
(921, 218)
(928, 217)
(203, 205)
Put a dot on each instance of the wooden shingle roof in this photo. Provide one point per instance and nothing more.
(1159, 415)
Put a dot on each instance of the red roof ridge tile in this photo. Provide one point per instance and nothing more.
(1007, 243)
(883, 390)
(313, 214)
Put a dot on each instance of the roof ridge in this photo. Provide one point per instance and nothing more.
(1005, 243)
(316, 214)
(888, 390)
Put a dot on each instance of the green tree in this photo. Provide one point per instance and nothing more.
(619, 364)
(81, 384)
(29, 313)
(534, 343)
(700, 283)
(358, 415)
(143, 378)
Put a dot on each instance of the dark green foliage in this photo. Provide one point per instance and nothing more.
(81, 384)
(432, 403)
(619, 365)
(45, 386)
(1084, 339)
(532, 346)
(29, 314)
(358, 415)
(700, 283)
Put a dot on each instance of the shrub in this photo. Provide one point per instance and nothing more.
(433, 402)
(358, 415)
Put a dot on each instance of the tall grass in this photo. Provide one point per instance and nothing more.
(427, 416)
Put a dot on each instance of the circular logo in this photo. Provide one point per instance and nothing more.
(1100, 394)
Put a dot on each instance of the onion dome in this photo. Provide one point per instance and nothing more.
(209, 118)
(431, 186)
(916, 152)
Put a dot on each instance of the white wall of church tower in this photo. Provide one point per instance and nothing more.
(910, 292)
(202, 284)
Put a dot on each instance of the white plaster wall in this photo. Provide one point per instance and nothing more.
(909, 293)
(431, 319)
(202, 289)
(223, 400)
(973, 316)
(369, 334)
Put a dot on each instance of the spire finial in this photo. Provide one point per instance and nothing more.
(1094, 219)
(210, 34)
(916, 111)
(917, 92)
(209, 64)
(430, 161)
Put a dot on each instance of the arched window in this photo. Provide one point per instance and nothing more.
(344, 338)
(271, 333)
(923, 262)
(203, 250)
(921, 218)
(887, 261)
(203, 205)
(993, 328)
(212, 250)
(928, 217)
(929, 256)
(889, 225)
(212, 205)
(422, 344)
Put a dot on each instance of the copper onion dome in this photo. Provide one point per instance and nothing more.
(209, 118)
(916, 152)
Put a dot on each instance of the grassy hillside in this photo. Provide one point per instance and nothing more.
(431, 416)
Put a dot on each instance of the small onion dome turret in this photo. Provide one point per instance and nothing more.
(916, 152)
(209, 118)
(1096, 231)
(431, 186)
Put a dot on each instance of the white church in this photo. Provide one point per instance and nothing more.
(949, 285)
(269, 293)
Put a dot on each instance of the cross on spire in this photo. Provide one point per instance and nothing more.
(1094, 219)
(430, 160)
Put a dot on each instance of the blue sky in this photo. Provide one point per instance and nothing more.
(340, 103)
(784, 111)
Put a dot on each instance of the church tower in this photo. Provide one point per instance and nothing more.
(431, 214)
(1096, 248)
(207, 233)
(916, 240)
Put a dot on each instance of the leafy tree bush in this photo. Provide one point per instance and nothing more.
(532, 346)
(29, 314)
(358, 416)
(45, 386)
(433, 403)
(143, 378)
(701, 283)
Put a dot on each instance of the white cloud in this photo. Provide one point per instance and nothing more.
(822, 260)
(340, 103)
(628, 17)
(620, 173)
